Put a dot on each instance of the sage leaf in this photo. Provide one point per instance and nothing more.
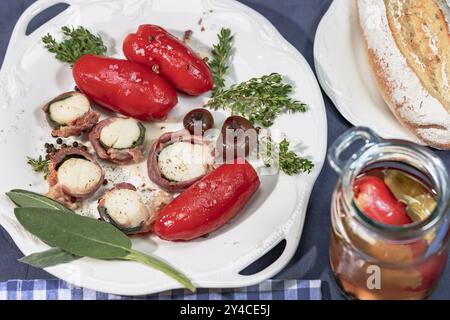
(73, 233)
(87, 237)
(49, 258)
(162, 266)
(24, 198)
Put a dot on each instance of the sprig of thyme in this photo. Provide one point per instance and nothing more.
(260, 100)
(76, 43)
(286, 160)
(39, 165)
(219, 64)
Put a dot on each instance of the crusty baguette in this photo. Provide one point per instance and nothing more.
(408, 46)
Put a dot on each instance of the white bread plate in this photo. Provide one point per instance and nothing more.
(345, 74)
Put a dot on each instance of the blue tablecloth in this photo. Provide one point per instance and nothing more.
(297, 21)
(54, 289)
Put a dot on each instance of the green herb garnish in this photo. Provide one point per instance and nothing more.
(39, 165)
(23, 198)
(80, 236)
(221, 53)
(286, 160)
(289, 162)
(76, 43)
(260, 100)
(49, 258)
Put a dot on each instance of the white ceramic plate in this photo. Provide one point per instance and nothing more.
(31, 76)
(345, 74)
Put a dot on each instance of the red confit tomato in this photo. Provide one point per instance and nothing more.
(125, 87)
(161, 52)
(374, 198)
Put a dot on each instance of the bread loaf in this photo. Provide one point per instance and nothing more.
(408, 46)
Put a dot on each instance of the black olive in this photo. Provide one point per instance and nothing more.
(59, 141)
(198, 119)
(237, 136)
(75, 144)
(64, 146)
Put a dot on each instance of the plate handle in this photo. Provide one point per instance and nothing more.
(341, 144)
(10, 84)
(292, 238)
(32, 11)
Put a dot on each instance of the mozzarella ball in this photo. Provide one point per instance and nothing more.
(126, 208)
(121, 133)
(67, 110)
(79, 176)
(183, 161)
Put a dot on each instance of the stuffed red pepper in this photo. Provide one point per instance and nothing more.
(125, 87)
(209, 203)
(163, 53)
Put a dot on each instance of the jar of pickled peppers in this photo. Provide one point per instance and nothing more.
(390, 220)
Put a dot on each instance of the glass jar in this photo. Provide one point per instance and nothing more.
(373, 260)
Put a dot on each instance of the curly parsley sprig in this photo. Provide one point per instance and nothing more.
(260, 100)
(76, 42)
(219, 64)
(39, 165)
(286, 160)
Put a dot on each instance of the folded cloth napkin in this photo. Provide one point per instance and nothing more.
(61, 290)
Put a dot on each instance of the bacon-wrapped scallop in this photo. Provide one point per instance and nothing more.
(118, 140)
(70, 114)
(128, 210)
(178, 159)
(74, 174)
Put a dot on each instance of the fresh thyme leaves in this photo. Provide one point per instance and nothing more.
(286, 160)
(290, 163)
(221, 53)
(39, 165)
(76, 42)
(260, 100)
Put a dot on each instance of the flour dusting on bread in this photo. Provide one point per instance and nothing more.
(398, 80)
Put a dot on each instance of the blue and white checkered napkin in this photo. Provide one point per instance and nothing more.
(60, 290)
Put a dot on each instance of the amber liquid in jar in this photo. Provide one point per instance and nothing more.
(369, 266)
